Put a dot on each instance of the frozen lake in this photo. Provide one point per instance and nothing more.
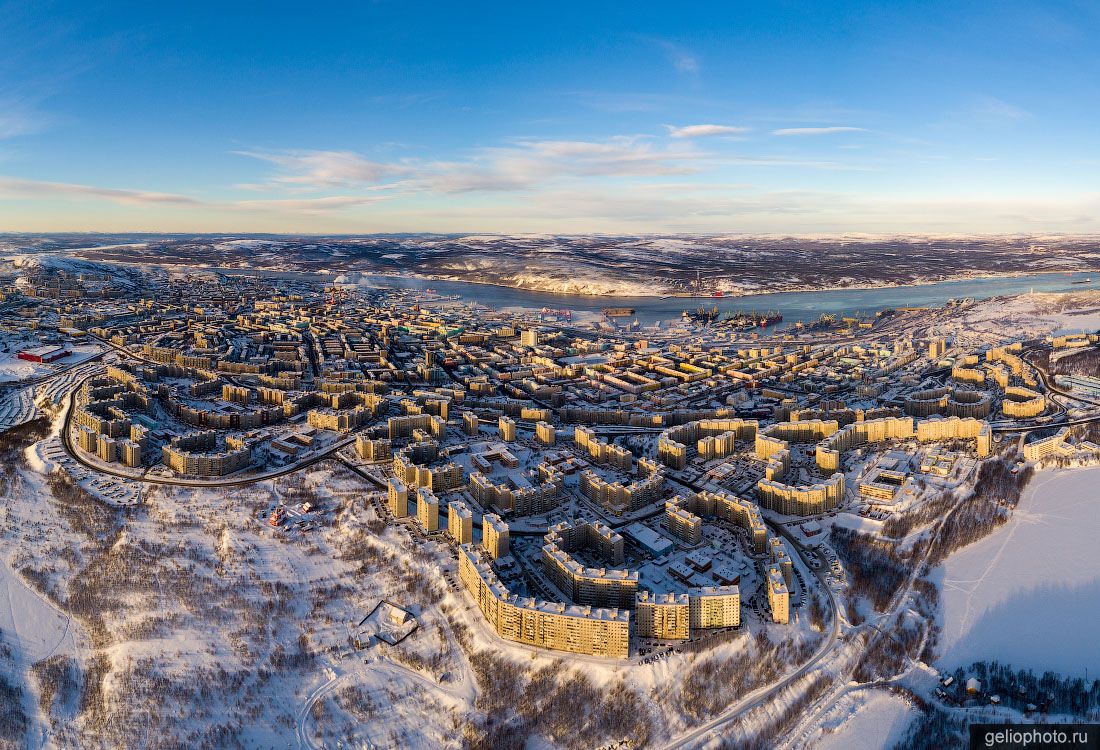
(1029, 594)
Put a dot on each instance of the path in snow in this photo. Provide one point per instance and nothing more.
(31, 623)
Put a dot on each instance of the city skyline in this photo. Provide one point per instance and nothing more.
(617, 119)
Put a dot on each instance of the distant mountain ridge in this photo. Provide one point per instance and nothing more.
(598, 264)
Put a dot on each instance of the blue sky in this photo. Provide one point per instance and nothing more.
(785, 117)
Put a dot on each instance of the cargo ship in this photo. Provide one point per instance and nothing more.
(734, 318)
(826, 322)
(743, 319)
(701, 314)
(618, 312)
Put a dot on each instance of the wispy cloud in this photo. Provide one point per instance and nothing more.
(325, 205)
(704, 131)
(14, 187)
(828, 130)
(19, 117)
(520, 165)
(681, 58)
(21, 189)
(529, 164)
(13, 124)
(992, 108)
(316, 169)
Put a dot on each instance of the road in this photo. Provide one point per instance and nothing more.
(1051, 387)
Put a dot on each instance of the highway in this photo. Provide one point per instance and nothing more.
(1051, 387)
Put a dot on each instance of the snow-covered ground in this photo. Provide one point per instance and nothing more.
(1029, 594)
(14, 369)
(31, 623)
(1029, 315)
(867, 720)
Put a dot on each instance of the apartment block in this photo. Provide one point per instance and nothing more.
(664, 616)
(427, 509)
(460, 523)
(494, 536)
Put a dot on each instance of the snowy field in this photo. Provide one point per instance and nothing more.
(868, 720)
(13, 369)
(35, 627)
(1029, 594)
(1035, 314)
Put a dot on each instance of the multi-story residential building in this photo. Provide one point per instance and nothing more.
(410, 465)
(779, 598)
(398, 497)
(683, 524)
(131, 453)
(802, 500)
(507, 428)
(1053, 445)
(1022, 403)
(727, 508)
(427, 509)
(460, 523)
(619, 498)
(601, 451)
(577, 629)
(602, 587)
(532, 499)
(714, 607)
(545, 433)
(471, 425)
(107, 449)
(955, 428)
(664, 616)
(196, 454)
(378, 449)
(494, 536)
(606, 542)
(713, 438)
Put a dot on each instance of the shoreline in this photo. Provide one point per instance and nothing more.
(802, 289)
(653, 295)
